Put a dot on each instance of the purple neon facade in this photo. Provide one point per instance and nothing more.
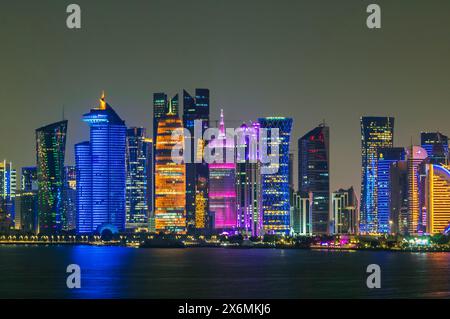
(222, 189)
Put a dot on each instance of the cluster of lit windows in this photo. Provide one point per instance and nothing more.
(138, 161)
(170, 178)
(438, 198)
(51, 143)
(275, 187)
(376, 132)
(101, 172)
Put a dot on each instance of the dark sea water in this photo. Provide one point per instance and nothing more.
(119, 272)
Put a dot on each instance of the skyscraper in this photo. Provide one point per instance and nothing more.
(416, 155)
(314, 175)
(160, 107)
(376, 132)
(26, 201)
(437, 198)
(101, 173)
(291, 179)
(70, 198)
(139, 178)
(50, 150)
(436, 145)
(345, 211)
(275, 186)
(197, 175)
(160, 104)
(248, 181)
(8, 187)
(28, 179)
(386, 157)
(398, 197)
(5, 222)
(222, 179)
(170, 176)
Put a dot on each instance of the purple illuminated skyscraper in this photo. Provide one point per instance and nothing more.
(222, 191)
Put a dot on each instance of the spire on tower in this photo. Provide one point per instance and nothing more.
(170, 111)
(222, 123)
(102, 105)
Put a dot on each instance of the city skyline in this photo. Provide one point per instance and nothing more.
(308, 61)
(224, 158)
(70, 154)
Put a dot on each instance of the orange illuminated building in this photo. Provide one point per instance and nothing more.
(438, 198)
(416, 155)
(170, 177)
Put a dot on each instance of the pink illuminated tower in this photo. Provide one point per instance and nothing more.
(222, 191)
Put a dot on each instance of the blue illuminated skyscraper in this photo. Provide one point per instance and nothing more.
(139, 177)
(275, 186)
(386, 157)
(101, 172)
(69, 198)
(376, 132)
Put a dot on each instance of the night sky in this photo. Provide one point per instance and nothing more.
(310, 60)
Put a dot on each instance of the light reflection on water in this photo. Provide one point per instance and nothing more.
(119, 272)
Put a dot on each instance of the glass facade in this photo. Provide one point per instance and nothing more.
(170, 177)
(416, 156)
(275, 186)
(436, 145)
(376, 132)
(386, 157)
(101, 172)
(248, 182)
(27, 201)
(197, 174)
(314, 175)
(438, 198)
(222, 179)
(28, 180)
(139, 178)
(70, 198)
(8, 186)
(50, 150)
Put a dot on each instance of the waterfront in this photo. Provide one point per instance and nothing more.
(120, 272)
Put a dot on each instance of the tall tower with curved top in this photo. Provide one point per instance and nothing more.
(101, 172)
